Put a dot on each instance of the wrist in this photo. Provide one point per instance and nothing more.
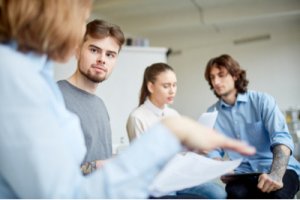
(88, 167)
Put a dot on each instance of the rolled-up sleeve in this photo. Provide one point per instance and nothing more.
(275, 123)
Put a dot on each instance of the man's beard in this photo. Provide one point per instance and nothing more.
(91, 77)
(226, 93)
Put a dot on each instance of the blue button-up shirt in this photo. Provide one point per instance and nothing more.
(42, 145)
(256, 119)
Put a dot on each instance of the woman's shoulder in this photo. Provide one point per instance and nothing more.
(139, 112)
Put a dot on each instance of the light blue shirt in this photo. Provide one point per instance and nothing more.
(256, 119)
(42, 145)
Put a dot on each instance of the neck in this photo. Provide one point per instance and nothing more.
(80, 81)
(156, 103)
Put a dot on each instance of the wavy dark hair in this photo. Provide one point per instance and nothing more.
(150, 75)
(233, 68)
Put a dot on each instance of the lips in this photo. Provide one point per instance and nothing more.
(170, 98)
(218, 88)
(99, 68)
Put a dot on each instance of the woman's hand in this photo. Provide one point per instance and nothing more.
(196, 137)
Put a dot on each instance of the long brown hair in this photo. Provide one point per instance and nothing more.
(233, 67)
(51, 27)
(150, 75)
(99, 29)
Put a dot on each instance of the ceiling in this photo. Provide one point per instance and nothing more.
(166, 21)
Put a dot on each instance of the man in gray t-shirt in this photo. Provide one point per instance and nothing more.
(97, 56)
(94, 120)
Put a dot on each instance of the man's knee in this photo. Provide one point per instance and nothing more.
(236, 192)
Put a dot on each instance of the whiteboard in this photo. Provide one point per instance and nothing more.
(120, 92)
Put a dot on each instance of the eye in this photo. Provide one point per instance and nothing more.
(93, 50)
(222, 74)
(110, 55)
(165, 86)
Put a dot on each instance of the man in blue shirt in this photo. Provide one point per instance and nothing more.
(255, 118)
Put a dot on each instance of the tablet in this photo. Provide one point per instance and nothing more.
(243, 174)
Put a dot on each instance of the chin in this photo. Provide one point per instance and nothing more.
(219, 93)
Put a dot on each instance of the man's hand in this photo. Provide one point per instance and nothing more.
(269, 182)
(89, 167)
(100, 163)
(273, 181)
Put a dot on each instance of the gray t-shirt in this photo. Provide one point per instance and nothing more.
(94, 120)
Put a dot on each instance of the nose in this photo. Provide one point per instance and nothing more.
(216, 80)
(172, 90)
(101, 58)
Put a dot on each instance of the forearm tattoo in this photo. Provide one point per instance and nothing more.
(88, 167)
(281, 155)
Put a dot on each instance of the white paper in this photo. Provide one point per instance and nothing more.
(208, 119)
(188, 170)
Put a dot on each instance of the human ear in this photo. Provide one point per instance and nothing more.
(150, 87)
(77, 52)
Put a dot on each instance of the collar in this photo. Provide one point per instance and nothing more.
(240, 98)
(157, 111)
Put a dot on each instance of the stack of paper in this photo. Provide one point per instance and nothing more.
(188, 170)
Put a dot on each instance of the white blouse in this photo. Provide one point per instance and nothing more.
(144, 117)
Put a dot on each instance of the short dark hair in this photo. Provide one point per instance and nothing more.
(100, 29)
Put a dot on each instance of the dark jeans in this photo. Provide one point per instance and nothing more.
(246, 188)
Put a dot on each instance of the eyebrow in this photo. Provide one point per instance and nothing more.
(221, 71)
(98, 48)
(168, 83)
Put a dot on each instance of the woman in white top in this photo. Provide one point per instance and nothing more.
(158, 90)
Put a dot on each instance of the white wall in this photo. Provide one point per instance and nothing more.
(272, 66)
